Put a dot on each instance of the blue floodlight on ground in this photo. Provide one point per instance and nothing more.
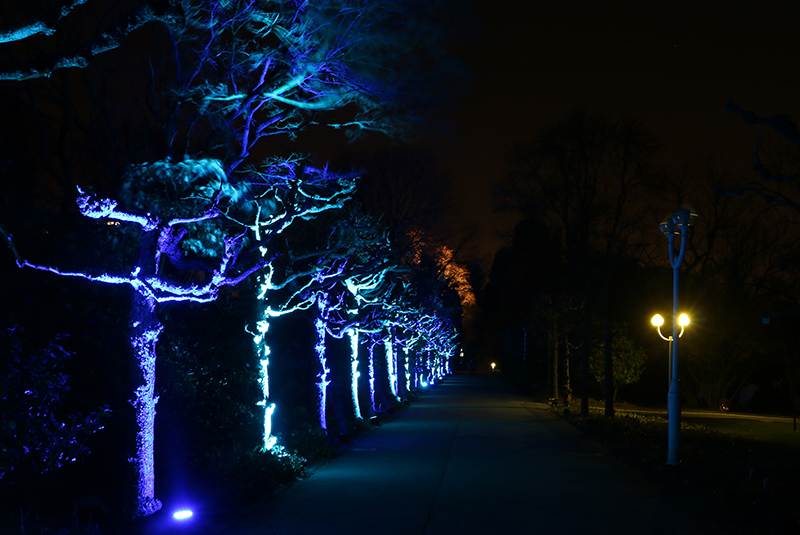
(182, 514)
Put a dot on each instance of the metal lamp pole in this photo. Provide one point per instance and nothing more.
(673, 224)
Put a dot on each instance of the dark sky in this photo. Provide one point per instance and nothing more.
(672, 65)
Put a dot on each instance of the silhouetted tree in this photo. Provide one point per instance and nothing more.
(581, 176)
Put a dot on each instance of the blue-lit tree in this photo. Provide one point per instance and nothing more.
(289, 67)
(416, 336)
(374, 302)
(195, 236)
(196, 230)
(286, 284)
(230, 76)
(51, 56)
(346, 300)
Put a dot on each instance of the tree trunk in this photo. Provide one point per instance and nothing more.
(323, 375)
(608, 368)
(566, 392)
(413, 379)
(371, 380)
(145, 329)
(382, 394)
(587, 343)
(402, 375)
(340, 399)
(352, 335)
(391, 365)
(553, 343)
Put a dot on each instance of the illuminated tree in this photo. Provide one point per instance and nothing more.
(381, 327)
(117, 24)
(170, 237)
(378, 301)
(286, 286)
(200, 233)
(347, 305)
(423, 330)
(222, 79)
(287, 68)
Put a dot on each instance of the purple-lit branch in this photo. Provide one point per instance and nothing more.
(91, 206)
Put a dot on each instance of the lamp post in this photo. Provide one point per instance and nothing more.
(658, 321)
(676, 223)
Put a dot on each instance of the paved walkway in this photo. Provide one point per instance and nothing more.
(469, 458)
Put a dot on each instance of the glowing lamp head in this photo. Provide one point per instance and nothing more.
(182, 514)
(683, 320)
(657, 320)
(494, 365)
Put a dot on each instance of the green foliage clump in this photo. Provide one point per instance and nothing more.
(628, 359)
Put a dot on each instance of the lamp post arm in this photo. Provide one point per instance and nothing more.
(676, 261)
(668, 339)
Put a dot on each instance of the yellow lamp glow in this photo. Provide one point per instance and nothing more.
(657, 320)
(683, 320)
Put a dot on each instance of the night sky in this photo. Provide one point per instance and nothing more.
(672, 64)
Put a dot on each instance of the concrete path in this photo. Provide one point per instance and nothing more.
(469, 458)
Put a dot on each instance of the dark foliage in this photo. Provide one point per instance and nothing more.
(39, 432)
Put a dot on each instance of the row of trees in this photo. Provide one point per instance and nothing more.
(587, 269)
(171, 122)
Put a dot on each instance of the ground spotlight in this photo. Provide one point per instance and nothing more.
(182, 514)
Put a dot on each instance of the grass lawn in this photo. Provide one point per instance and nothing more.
(757, 430)
(743, 473)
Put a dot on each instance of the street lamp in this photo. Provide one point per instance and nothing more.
(676, 223)
(658, 321)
